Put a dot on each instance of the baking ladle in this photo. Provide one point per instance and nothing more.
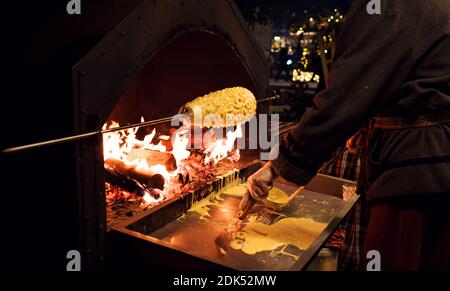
(281, 204)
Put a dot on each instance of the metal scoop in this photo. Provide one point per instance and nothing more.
(281, 204)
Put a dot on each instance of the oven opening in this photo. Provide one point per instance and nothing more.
(147, 166)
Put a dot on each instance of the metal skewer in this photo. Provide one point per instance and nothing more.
(100, 132)
(85, 135)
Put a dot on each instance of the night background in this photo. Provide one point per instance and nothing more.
(43, 45)
(301, 48)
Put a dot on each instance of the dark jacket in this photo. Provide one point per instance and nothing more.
(393, 64)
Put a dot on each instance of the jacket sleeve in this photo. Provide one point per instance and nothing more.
(374, 56)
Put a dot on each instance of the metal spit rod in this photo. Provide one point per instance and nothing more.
(101, 132)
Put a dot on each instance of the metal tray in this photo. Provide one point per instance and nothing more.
(170, 237)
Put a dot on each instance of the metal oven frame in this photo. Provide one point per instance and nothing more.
(100, 78)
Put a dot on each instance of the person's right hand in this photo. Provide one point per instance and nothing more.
(260, 183)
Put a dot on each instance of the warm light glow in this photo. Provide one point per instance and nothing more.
(149, 199)
(301, 76)
(118, 145)
(220, 149)
(180, 144)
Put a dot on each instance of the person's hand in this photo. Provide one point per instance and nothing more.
(260, 183)
(258, 187)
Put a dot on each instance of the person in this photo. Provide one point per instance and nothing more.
(391, 74)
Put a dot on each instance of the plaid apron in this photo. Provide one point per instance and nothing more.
(348, 239)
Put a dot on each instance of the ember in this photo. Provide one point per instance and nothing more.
(141, 173)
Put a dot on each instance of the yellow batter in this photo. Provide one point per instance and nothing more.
(299, 232)
(278, 196)
(202, 207)
(237, 191)
(275, 195)
(258, 237)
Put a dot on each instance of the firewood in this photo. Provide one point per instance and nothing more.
(154, 158)
(131, 179)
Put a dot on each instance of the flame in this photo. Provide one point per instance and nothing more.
(221, 148)
(119, 144)
(148, 199)
(180, 144)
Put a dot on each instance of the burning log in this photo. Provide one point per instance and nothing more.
(129, 178)
(166, 141)
(183, 179)
(154, 158)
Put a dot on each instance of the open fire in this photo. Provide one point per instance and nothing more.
(146, 171)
